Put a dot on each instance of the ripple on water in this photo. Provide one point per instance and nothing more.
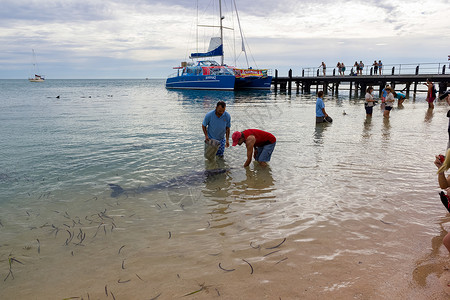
(339, 203)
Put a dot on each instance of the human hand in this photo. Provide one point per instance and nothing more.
(439, 160)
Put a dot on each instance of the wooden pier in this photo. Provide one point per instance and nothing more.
(331, 83)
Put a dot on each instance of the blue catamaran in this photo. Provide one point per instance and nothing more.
(211, 75)
(203, 74)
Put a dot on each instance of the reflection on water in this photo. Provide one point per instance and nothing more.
(258, 184)
(366, 134)
(429, 115)
(386, 129)
(319, 132)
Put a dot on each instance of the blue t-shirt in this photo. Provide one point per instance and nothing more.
(400, 95)
(319, 106)
(217, 126)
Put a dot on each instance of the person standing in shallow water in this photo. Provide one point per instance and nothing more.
(321, 114)
(369, 101)
(431, 94)
(260, 145)
(216, 126)
(389, 102)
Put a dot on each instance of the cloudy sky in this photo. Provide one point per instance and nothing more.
(146, 38)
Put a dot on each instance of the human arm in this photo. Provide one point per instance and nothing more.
(227, 144)
(250, 143)
(205, 132)
(324, 112)
(444, 182)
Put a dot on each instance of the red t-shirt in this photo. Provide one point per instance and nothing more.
(262, 137)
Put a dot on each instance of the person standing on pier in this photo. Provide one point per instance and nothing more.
(324, 68)
(380, 66)
(343, 69)
(375, 67)
(357, 67)
(389, 102)
(431, 94)
(361, 67)
(321, 114)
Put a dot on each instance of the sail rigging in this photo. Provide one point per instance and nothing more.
(36, 75)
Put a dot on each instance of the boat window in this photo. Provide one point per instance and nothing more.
(192, 71)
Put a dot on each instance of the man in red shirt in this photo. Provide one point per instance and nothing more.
(260, 144)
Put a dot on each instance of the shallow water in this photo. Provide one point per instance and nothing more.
(348, 209)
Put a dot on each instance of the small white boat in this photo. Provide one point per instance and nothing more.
(37, 77)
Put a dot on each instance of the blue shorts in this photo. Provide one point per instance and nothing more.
(264, 152)
(221, 149)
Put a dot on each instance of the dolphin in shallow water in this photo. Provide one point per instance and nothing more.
(183, 180)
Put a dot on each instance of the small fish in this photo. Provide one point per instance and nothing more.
(277, 245)
(228, 270)
(249, 265)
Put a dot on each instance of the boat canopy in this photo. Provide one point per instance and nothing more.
(215, 49)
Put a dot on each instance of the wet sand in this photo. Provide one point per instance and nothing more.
(220, 250)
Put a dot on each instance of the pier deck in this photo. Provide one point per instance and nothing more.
(331, 83)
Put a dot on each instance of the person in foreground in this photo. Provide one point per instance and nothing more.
(389, 102)
(321, 114)
(216, 126)
(369, 101)
(443, 164)
(260, 144)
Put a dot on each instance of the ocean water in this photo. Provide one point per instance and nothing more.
(347, 210)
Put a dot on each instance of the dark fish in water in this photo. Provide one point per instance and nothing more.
(183, 180)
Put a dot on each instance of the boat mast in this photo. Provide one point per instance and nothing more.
(35, 65)
(197, 29)
(240, 30)
(221, 28)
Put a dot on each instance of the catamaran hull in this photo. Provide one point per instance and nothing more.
(257, 83)
(201, 82)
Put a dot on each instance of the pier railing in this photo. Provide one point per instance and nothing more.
(388, 69)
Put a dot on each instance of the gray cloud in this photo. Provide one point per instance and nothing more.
(55, 11)
(101, 37)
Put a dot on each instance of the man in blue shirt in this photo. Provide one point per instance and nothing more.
(321, 115)
(216, 125)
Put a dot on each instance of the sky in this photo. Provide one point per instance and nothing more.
(75, 39)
